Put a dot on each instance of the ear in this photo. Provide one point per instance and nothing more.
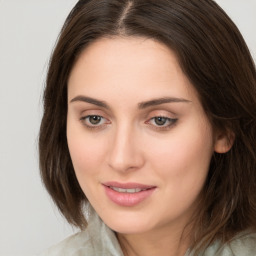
(224, 141)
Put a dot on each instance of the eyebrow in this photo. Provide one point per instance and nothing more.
(160, 101)
(142, 105)
(90, 100)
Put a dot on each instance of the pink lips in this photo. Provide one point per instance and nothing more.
(130, 198)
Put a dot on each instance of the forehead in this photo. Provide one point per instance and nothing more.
(123, 66)
(128, 52)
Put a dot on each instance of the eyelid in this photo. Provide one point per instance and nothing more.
(170, 117)
(161, 113)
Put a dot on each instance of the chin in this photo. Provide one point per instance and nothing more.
(129, 229)
(128, 223)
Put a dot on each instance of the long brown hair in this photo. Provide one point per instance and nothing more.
(212, 54)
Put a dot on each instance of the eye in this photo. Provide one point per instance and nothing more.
(162, 122)
(94, 121)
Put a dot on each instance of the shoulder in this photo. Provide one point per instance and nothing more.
(244, 244)
(85, 243)
(96, 239)
(241, 245)
(73, 245)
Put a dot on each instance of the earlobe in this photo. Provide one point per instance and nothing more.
(224, 142)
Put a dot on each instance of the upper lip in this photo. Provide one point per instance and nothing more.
(129, 185)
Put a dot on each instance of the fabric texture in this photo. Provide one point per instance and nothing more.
(99, 240)
(96, 240)
(243, 244)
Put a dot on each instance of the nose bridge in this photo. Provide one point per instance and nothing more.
(125, 151)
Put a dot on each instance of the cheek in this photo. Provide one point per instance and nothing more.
(184, 157)
(87, 157)
(87, 153)
(181, 165)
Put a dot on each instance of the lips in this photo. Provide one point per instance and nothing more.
(127, 185)
(128, 194)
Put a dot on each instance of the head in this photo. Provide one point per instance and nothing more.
(203, 62)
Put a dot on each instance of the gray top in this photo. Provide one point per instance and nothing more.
(99, 240)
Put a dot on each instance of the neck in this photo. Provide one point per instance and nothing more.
(155, 243)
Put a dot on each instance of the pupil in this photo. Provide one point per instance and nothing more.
(160, 120)
(94, 119)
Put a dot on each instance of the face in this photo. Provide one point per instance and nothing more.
(139, 139)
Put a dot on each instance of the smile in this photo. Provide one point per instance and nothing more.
(128, 190)
(128, 194)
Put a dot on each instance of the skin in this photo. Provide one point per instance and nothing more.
(128, 145)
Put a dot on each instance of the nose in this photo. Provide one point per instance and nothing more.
(126, 152)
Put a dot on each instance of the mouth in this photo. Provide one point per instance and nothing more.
(127, 190)
(128, 194)
(130, 187)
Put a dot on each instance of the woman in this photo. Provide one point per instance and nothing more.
(147, 142)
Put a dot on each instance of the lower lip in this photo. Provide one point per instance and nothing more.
(128, 199)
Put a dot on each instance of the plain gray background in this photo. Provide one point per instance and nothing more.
(29, 222)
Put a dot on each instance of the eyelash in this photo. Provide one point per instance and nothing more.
(171, 121)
